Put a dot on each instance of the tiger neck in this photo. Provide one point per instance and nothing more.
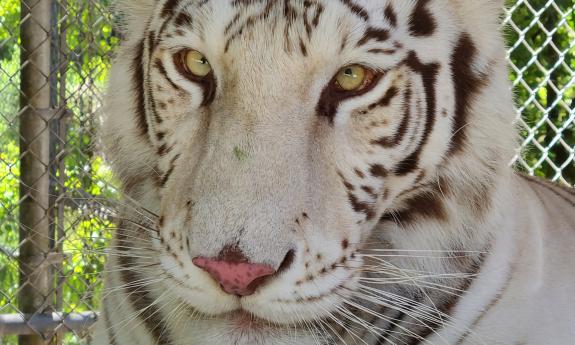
(457, 210)
(435, 248)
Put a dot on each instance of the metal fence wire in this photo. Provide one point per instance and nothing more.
(54, 222)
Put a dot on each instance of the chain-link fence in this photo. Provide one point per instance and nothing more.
(54, 55)
(541, 37)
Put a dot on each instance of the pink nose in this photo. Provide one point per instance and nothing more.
(235, 278)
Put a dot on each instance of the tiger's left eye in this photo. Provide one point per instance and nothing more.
(195, 63)
(354, 78)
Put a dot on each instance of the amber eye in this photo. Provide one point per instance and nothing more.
(195, 63)
(354, 78)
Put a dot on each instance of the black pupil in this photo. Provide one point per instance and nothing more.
(349, 72)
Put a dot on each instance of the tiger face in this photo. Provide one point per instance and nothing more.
(278, 137)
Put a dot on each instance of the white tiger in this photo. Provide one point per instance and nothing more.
(327, 172)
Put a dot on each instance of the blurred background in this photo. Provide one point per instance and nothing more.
(57, 194)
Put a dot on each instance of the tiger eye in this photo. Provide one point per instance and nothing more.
(197, 64)
(352, 78)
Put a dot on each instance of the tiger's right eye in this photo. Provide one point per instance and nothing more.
(194, 63)
(354, 78)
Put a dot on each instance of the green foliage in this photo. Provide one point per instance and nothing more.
(9, 33)
(90, 41)
(545, 84)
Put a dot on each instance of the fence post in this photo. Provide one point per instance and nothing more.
(35, 280)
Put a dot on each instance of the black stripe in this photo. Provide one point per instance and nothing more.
(385, 101)
(183, 19)
(159, 65)
(413, 330)
(168, 8)
(378, 170)
(388, 142)
(356, 9)
(248, 23)
(428, 74)
(466, 86)
(138, 296)
(152, 43)
(374, 34)
(360, 206)
(392, 326)
(421, 21)
(390, 15)
(137, 69)
(153, 107)
(448, 305)
(232, 23)
(108, 324)
(167, 175)
(427, 205)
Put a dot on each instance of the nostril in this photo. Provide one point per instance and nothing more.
(287, 262)
(235, 278)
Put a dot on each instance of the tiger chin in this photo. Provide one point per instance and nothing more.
(326, 172)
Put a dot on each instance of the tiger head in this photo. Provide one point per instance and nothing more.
(276, 140)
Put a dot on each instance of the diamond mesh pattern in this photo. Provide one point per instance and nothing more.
(542, 60)
(81, 39)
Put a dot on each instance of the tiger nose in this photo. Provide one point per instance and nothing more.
(235, 278)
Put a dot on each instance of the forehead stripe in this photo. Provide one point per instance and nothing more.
(375, 34)
(183, 19)
(168, 8)
(421, 21)
(356, 9)
(249, 22)
(390, 15)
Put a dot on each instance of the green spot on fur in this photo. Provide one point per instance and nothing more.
(240, 154)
